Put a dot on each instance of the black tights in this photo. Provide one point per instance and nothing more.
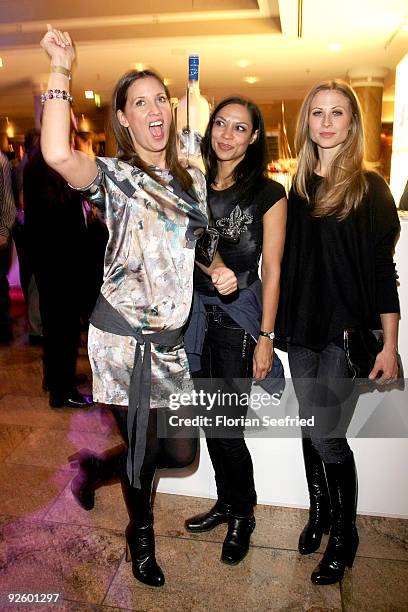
(160, 452)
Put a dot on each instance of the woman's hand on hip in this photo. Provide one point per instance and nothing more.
(263, 358)
(385, 364)
(224, 280)
(59, 46)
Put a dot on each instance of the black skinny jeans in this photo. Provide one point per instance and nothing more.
(227, 354)
(326, 392)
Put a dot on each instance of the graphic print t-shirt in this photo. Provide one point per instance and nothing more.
(239, 222)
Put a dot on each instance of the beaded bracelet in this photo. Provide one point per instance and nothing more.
(56, 94)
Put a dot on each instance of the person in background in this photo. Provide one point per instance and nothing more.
(154, 210)
(233, 338)
(96, 239)
(337, 274)
(27, 280)
(7, 217)
(55, 235)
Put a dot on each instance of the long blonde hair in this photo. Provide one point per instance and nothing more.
(344, 186)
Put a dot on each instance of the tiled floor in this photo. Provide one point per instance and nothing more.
(49, 544)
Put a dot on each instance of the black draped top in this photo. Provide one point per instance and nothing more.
(338, 274)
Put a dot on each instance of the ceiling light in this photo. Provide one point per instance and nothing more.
(1, 63)
(97, 100)
(138, 66)
(166, 81)
(243, 63)
(334, 46)
(404, 26)
(89, 94)
(251, 79)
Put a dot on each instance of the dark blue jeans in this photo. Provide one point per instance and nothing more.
(227, 354)
(325, 392)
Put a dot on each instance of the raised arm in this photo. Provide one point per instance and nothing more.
(74, 166)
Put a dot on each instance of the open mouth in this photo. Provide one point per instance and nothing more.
(156, 129)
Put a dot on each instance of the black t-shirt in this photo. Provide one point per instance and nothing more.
(239, 221)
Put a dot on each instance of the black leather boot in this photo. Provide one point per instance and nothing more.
(94, 471)
(140, 544)
(206, 521)
(343, 541)
(319, 512)
(236, 543)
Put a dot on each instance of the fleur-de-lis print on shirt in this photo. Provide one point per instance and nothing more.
(235, 224)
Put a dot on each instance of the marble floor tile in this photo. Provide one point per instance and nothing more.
(35, 412)
(197, 580)
(29, 491)
(383, 538)
(109, 511)
(77, 562)
(48, 448)
(376, 585)
(10, 437)
(25, 380)
(276, 527)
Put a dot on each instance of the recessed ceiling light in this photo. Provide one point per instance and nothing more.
(251, 79)
(243, 63)
(138, 66)
(89, 94)
(404, 26)
(167, 81)
(334, 46)
(1, 63)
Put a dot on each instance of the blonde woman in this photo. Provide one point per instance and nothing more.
(338, 273)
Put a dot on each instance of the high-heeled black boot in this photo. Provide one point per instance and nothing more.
(236, 543)
(206, 521)
(343, 541)
(140, 544)
(319, 512)
(93, 471)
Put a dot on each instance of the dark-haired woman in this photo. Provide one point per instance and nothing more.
(236, 337)
(337, 274)
(153, 210)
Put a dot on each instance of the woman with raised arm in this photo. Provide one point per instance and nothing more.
(338, 274)
(236, 334)
(154, 210)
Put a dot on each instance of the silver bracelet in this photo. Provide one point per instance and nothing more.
(56, 94)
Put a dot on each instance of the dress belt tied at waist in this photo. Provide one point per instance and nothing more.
(106, 318)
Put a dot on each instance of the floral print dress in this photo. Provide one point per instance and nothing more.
(148, 273)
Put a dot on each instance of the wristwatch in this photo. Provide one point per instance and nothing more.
(270, 335)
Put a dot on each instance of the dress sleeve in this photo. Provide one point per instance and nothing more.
(385, 228)
(271, 193)
(95, 192)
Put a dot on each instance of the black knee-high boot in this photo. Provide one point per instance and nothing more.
(343, 541)
(319, 512)
(140, 544)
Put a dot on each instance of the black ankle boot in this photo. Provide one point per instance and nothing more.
(236, 543)
(140, 549)
(218, 514)
(140, 544)
(93, 471)
(319, 512)
(343, 541)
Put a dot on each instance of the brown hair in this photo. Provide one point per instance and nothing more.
(344, 186)
(126, 149)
